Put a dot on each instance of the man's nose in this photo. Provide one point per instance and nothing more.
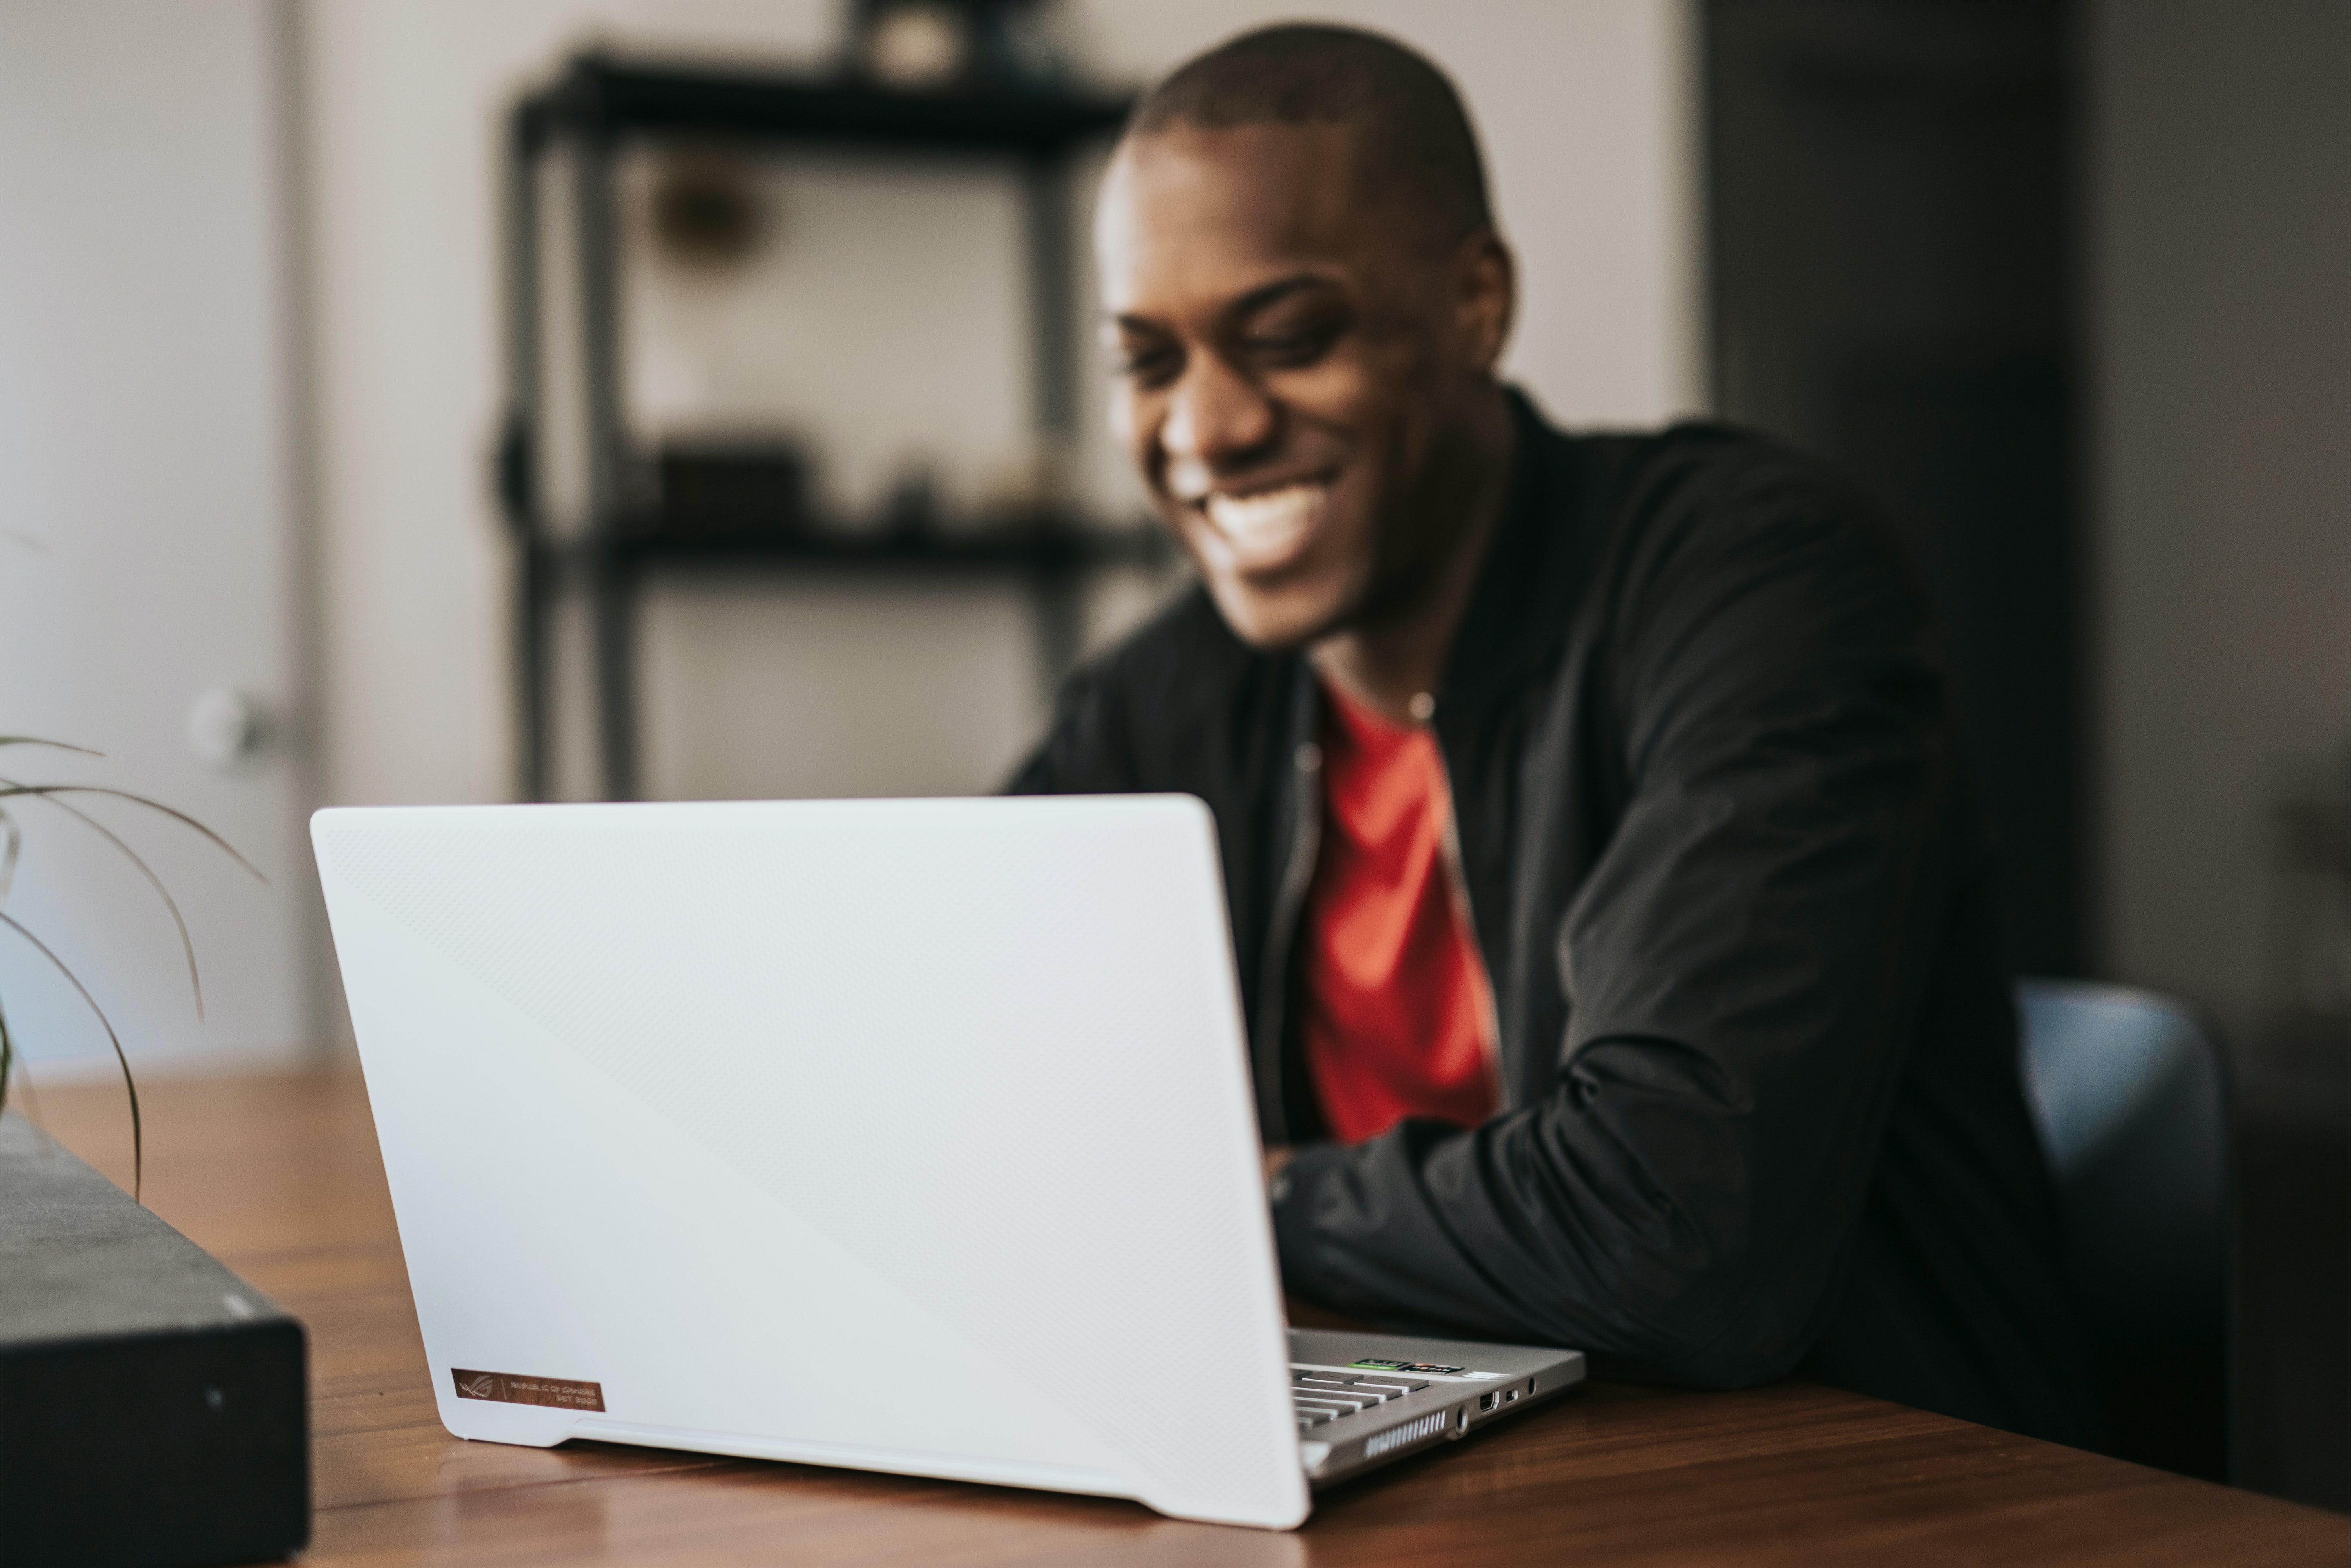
(1215, 416)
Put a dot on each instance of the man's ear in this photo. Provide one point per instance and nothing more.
(1486, 282)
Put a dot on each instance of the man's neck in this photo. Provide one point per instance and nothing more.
(1393, 662)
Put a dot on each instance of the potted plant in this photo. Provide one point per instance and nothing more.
(153, 1406)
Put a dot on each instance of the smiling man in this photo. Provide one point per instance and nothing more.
(1614, 924)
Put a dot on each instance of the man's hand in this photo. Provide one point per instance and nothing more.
(1274, 1160)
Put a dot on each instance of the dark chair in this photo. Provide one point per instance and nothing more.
(2129, 1092)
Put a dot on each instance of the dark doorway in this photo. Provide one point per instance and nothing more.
(1891, 217)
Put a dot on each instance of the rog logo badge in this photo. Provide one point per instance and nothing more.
(480, 1386)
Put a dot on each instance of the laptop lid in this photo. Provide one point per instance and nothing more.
(898, 1135)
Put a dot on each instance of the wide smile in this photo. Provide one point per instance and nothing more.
(1267, 529)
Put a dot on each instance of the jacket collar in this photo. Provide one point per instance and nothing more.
(1503, 628)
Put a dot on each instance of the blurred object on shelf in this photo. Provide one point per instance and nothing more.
(912, 507)
(2305, 1005)
(913, 46)
(1038, 483)
(2314, 820)
(728, 487)
(931, 46)
(708, 211)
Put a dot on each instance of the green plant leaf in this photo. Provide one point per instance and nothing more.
(32, 1101)
(138, 1136)
(187, 943)
(21, 1077)
(46, 790)
(8, 854)
(37, 740)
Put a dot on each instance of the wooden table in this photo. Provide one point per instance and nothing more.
(279, 1177)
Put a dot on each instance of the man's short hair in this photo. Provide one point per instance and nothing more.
(1411, 121)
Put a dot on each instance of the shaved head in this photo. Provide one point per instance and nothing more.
(1406, 118)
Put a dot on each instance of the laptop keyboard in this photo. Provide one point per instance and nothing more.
(1323, 1396)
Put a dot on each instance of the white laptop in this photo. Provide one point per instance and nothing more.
(910, 1135)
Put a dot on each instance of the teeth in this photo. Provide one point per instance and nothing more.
(1268, 521)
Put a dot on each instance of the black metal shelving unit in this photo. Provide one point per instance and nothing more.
(599, 107)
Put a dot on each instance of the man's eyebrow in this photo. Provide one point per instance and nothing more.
(1266, 294)
(1248, 304)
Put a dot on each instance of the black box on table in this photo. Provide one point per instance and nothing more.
(154, 1408)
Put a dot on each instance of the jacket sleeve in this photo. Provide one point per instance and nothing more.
(1085, 751)
(1743, 965)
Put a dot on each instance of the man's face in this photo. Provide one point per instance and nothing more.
(1294, 358)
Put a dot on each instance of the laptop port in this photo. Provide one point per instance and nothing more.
(1511, 1397)
(1485, 1402)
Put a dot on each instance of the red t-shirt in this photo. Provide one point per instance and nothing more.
(1397, 1007)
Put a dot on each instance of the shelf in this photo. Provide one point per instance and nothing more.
(597, 108)
(640, 100)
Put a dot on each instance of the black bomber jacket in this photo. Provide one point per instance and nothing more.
(1763, 1109)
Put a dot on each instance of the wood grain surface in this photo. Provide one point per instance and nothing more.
(279, 1176)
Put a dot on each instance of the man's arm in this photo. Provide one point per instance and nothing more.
(1743, 968)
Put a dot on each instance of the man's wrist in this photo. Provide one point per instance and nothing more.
(1292, 1197)
(1277, 1173)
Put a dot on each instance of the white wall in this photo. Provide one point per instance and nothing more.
(149, 539)
(405, 99)
(750, 690)
(2222, 273)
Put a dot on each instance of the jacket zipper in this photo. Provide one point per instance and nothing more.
(1288, 900)
(1489, 1022)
